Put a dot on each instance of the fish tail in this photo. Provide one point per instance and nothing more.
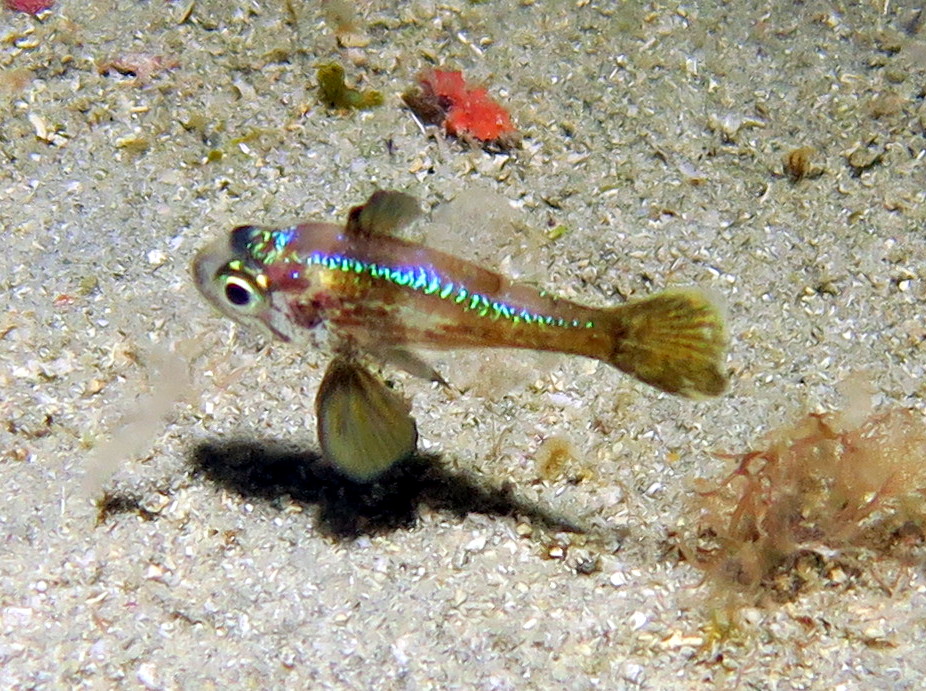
(675, 341)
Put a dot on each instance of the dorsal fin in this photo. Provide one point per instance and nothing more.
(383, 213)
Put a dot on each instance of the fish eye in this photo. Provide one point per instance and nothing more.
(241, 291)
(237, 293)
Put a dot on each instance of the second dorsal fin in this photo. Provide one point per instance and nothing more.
(385, 212)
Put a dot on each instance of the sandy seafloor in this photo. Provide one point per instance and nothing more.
(653, 135)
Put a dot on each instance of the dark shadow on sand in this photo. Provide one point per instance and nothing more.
(269, 470)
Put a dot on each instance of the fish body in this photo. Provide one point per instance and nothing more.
(373, 290)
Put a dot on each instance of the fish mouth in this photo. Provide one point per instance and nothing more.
(199, 269)
(276, 321)
(206, 265)
(279, 335)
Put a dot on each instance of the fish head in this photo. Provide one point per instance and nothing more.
(234, 281)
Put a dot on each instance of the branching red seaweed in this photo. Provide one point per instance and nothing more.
(825, 497)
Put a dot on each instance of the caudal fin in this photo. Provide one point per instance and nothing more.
(674, 341)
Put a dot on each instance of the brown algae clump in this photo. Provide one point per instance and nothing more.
(827, 495)
(334, 92)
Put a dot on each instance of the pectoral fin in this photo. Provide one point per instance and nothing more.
(408, 361)
(385, 212)
(363, 426)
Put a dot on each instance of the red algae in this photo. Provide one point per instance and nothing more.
(828, 497)
(444, 98)
(29, 6)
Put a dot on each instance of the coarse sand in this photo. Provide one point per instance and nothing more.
(165, 520)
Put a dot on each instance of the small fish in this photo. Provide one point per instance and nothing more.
(372, 291)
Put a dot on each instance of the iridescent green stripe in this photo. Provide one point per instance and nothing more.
(270, 246)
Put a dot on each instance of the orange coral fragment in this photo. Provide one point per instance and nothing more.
(443, 97)
(448, 85)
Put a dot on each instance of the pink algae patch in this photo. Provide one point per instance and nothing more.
(29, 6)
